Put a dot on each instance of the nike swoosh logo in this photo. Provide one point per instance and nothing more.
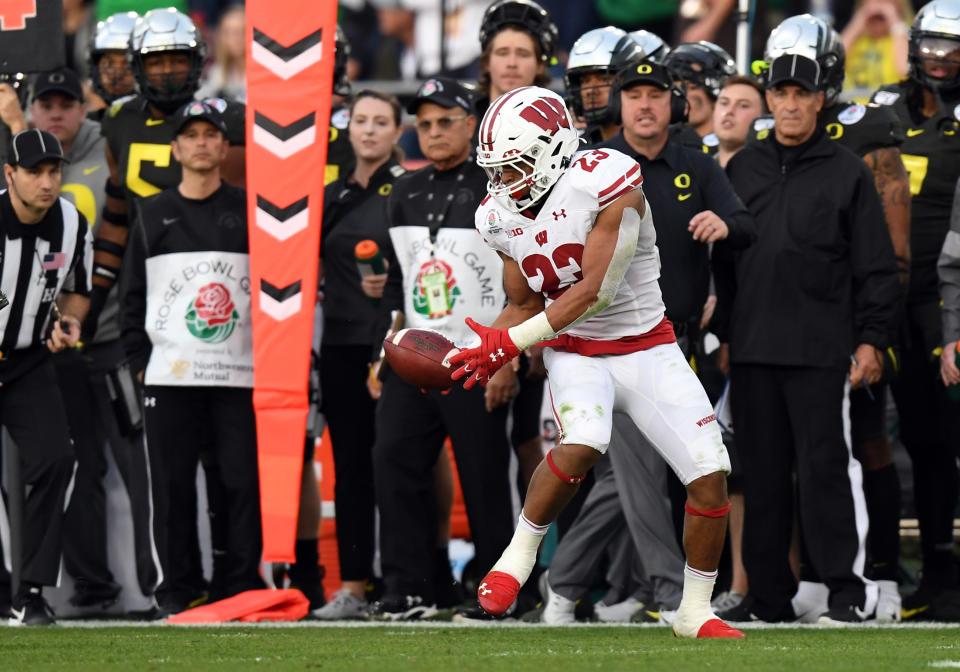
(154, 122)
(168, 222)
(653, 614)
(87, 171)
(910, 613)
(683, 197)
(18, 614)
(414, 194)
(914, 131)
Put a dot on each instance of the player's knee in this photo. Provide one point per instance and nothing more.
(708, 493)
(571, 462)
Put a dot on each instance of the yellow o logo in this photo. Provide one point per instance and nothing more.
(644, 69)
(762, 135)
(386, 189)
(835, 131)
(682, 181)
(334, 133)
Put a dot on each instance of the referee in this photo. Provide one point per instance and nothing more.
(45, 263)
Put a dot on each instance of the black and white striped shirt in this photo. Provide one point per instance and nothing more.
(37, 262)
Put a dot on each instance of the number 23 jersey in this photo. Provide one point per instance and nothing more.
(549, 247)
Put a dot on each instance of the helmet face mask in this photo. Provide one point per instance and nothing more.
(934, 52)
(809, 36)
(341, 85)
(527, 139)
(167, 32)
(111, 37)
(702, 64)
(597, 55)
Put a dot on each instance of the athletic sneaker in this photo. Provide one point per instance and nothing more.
(621, 612)
(497, 592)
(558, 610)
(94, 596)
(401, 608)
(728, 599)
(842, 616)
(29, 608)
(343, 606)
(810, 601)
(889, 602)
(474, 614)
(653, 614)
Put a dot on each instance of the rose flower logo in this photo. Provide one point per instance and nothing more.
(211, 316)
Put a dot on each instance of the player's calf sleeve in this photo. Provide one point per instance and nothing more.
(707, 513)
(520, 556)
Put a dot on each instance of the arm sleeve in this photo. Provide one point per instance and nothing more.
(133, 300)
(949, 269)
(723, 200)
(875, 285)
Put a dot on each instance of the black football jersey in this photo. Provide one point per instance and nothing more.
(140, 144)
(931, 155)
(859, 128)
(340, 158)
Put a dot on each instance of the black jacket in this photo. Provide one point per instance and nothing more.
(679, 183)
(821, 277)
(352, 213)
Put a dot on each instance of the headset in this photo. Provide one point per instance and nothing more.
(679, 107)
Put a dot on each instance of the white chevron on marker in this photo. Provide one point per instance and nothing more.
(283, 229)
(274, 61)
(284, 148)
(280, 310)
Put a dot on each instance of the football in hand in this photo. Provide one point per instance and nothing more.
(421, 357)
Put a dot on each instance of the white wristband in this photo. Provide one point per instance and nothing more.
(531, 332)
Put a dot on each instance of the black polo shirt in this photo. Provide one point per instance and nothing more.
(679, 183)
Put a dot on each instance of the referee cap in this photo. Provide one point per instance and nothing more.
(30, 147)
(208, 110)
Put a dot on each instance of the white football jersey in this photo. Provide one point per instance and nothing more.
(549, 248)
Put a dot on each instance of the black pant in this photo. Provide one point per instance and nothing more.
(411, 427)
(93, 425)
(31, 409)
(180, 423)
(350, 413)
(786, 418)
(930, 431)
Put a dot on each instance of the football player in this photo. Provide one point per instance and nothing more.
(581, 273)
(874, 133)
(595, 58)
(928, 106)
(110, 73)
(702, 67)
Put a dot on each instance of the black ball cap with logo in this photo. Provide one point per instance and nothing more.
(33, 146)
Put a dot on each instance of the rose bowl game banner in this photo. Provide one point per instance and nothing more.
(289, 85)
(198, 319)
(24, 26)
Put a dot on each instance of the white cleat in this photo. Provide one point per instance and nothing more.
(889, 603)
(810, 601)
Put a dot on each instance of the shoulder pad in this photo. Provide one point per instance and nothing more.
(763, 124)
(851, 114)
(115, 108)
(340, 118)
(885, 97)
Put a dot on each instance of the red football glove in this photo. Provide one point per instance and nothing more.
(496, 349)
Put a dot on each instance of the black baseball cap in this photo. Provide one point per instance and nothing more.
(207, 110)
(794, 69)
(445, 92)
(653, 74)
(63, 81)
(30, 147)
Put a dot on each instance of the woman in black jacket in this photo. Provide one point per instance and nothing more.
(354, 210)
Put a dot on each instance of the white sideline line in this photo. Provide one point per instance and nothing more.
(444, 625)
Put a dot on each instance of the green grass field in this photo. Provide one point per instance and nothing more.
(455, 648)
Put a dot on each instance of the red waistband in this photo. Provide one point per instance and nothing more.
(659, 335)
